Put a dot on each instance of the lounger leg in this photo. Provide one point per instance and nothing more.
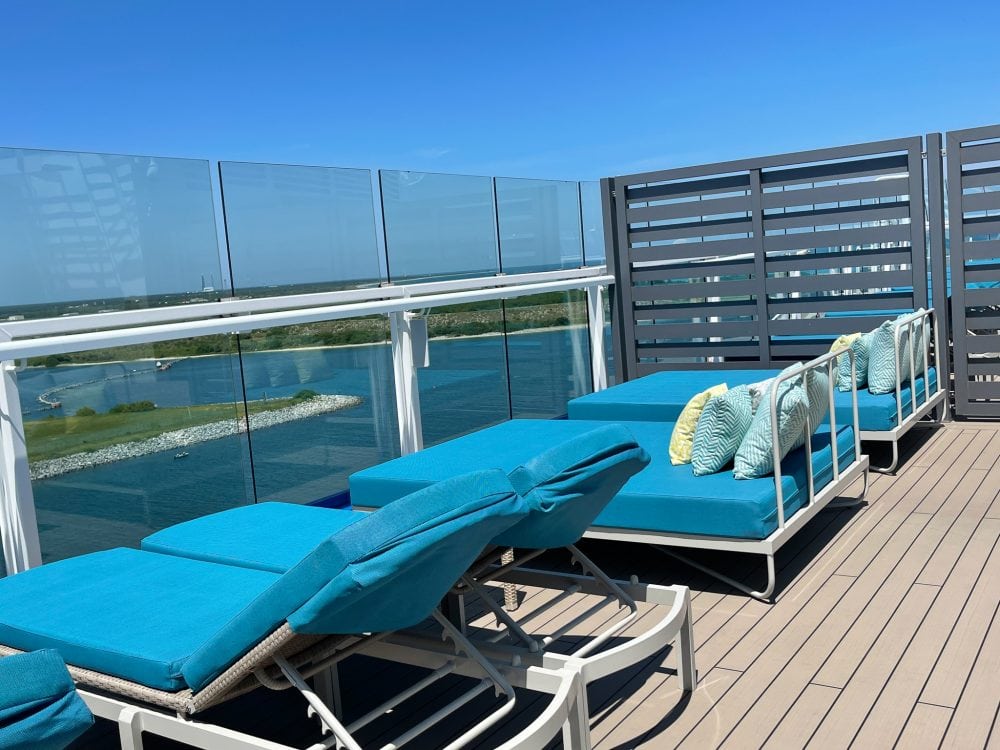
(685, 653)
(854, 501)
(327, 684)
(764, 595)
(891, 468)
(576, 731)
(130, 729)
(322, 710)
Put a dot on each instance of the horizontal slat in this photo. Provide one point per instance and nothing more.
(687, 188)
(888, 256)
(690, 229)
(982, 272)
(792, 349)
(816, 326)
(984, 389)
(987, 201)
(981, 249)
(846, 215)
(981, 152)
(694, 290)
(697, 330)
(982, 297)
(981, 225)
(985, 320)
(706, 349)
(984, 366)
(834, 281)
(838, 238)
(687, 250)
(852, 303)
(687, 311)
(690, 270)
(852, 191)
(836, 170)
(982, 344)
(974, 409)
(687, 209)
(984, 177)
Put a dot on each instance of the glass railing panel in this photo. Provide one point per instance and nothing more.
(438, 226)
(295, 229)
(549, 351)
(465, 387)
(123, 442)
(340, 376)
(539, 223)
(593, 223)
(83, 233)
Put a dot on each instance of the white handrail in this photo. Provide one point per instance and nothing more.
(910, 323)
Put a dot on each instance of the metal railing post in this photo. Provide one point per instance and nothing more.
(406, 386)
(19, 527)
(595, 321)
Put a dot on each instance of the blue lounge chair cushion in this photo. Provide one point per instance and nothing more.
(659, 397)
(265, 536)
(39, 706)
(661, 497)
(720, 430)
(385, 571)
(133, 614)
(566, 486)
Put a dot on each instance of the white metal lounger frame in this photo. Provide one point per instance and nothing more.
(843, 478)
(562, 681)
(928, 402)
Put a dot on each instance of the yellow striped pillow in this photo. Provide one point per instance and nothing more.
(683, 436)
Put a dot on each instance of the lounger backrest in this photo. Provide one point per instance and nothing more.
(567, 486)
(384, 572)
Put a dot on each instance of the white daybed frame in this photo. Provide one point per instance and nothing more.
(927, 403)
(843, 478)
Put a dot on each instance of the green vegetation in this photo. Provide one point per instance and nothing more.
(132, 408)
(58, 437)
(552, 309)
(85, 411)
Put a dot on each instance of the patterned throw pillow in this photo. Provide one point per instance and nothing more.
(861, 347)
(755, 457)
(882, 358)
(843, 361)
(683, 435)
(922, 334)
(720, 430)
(818, 395)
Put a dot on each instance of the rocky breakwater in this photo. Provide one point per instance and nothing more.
(180, 439)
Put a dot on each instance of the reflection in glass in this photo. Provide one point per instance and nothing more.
(549, 351)
(82, 233)
(465, 388)
(539, 225)
(339, 376)
(593, 223)
(438, 226)
(299, 229)
(123, 442)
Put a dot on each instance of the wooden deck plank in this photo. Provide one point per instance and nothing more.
(977, 709)
(925, 728)
(889, 715)
(947, 680)
(798, 725)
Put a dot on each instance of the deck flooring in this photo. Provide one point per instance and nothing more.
(885, 632)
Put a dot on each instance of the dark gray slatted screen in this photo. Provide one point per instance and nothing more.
(759, 262)
(974, 225)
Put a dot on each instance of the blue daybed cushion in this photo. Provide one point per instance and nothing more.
(661, 396)
(39, 706)
(661, 497)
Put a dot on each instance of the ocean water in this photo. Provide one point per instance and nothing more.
(470, 384)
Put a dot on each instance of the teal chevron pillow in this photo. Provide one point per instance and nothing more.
(720, 430)
(882, 358)
(922, 334)
(755, 457)
(861, 346)
(757, 391)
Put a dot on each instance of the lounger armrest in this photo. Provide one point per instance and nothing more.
(911, 323)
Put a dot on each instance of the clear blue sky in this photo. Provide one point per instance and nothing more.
(574, 90)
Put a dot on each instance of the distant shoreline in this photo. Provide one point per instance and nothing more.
(547, 329)
(188, 436)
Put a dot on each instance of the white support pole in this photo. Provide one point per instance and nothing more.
(595, 317)
(18, 525)
(407, 388)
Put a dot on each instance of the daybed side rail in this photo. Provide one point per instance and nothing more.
(828, 362)
(910, 323)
